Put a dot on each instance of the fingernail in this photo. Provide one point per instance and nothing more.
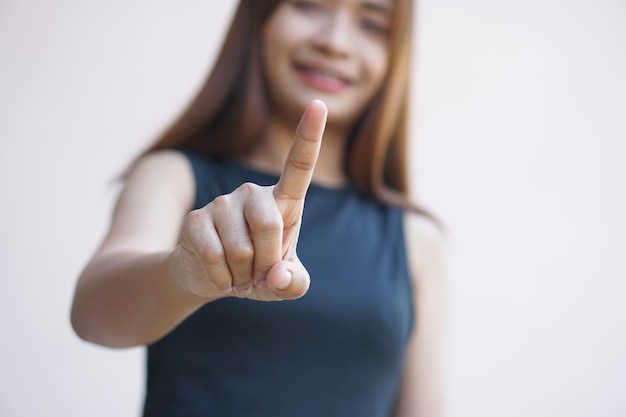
(226, 290)
(245, 291)
(285, 280)
(262, 284)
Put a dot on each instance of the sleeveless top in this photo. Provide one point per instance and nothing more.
(337, 351)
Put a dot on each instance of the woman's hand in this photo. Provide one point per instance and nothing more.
(244, 243)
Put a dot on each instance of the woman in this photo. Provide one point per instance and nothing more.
(209, 218)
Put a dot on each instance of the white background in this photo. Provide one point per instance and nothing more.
(519, 127)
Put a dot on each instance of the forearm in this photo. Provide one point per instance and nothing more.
(130, 299)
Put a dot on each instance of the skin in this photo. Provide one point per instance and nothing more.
(159, 262)
(137, 288)
(422, 388)
(344, 40)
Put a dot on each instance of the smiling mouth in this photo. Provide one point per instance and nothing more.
(322, 78)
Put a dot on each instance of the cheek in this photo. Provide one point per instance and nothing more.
(285, 29)
(272, 49)
(381, 67)
(377, 64)
(374, 55)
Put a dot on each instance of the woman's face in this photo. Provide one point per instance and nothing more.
(334, 50)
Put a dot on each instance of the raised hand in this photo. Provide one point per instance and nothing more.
(244, 243)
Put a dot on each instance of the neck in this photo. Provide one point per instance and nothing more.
(271, 153)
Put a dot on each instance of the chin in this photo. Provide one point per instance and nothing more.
(342, 111)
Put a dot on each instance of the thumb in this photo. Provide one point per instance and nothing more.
(288, 279)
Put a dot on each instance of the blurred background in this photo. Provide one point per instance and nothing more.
(519, 145)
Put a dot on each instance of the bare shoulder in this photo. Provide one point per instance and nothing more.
(165, 171)
(158, 192)
(163, 163)
(426, 247)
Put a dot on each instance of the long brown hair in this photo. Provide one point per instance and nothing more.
(234, 92)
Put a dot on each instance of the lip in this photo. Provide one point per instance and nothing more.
(323, 77)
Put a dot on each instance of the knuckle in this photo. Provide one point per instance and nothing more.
(248, 187)
(302, 164)
(221, 202)
(193, 219)
(194, 224)
(213, 257)
(240, 253)
(269, 223)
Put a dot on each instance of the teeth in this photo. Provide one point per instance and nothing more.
(326, 75)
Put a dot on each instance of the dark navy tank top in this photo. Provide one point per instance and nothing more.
(337, 351)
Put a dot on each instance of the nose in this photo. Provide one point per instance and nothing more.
(335, 36)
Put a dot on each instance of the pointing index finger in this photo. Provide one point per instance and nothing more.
(298, 170)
